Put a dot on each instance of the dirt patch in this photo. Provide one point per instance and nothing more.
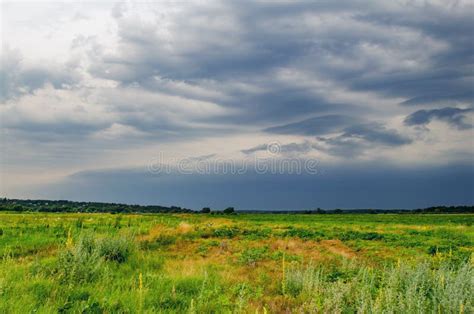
(338, 248)
(154, 232)
(158, 230)
(305, 249)
(184, 227)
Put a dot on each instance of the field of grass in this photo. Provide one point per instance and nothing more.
(246, 263)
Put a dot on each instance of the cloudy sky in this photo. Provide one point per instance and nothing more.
(378, 94)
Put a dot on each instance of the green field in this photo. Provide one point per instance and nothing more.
(245, 263)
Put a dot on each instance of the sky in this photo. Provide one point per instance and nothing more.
(251, 104)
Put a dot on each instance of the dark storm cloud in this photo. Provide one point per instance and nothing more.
(455, 117)
(399, 50)
(189, 71)
(361, 185)
(448, 73)
(238, 56)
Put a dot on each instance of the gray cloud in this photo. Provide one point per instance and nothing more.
(313, 126)
(289, 148)
(353, 140)
(17, 80)
(255, 149)
(455, 117)
(233, 54)
(395, 50)
(357, 139)
(376, 133)
(454, 99)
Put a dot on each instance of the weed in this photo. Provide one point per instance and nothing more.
(357, 235)
(115, 249)
(226, 232)
(405, 289)
(83, 262)
(305, 234)
(251, 256)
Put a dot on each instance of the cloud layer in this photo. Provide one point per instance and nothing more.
(111, 85)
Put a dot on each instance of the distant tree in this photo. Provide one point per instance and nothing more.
(206, 210)
(338, 211)
(229, 210)
(320, 211)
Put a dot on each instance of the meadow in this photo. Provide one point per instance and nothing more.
(242, 263)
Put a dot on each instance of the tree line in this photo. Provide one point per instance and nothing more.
(64, 206)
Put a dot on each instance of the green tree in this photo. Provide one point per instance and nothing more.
(229, 210)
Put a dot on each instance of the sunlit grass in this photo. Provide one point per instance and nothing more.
(187, 263)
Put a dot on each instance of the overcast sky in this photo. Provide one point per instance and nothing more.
(378, 94)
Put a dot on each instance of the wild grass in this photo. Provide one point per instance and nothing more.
(102, 263)
(354, 288)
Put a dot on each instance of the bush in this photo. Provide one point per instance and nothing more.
(84, 261)
(117, 250)
(206, 210)
(79, 264)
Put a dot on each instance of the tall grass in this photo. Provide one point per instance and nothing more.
(84, 260)
(394, 289)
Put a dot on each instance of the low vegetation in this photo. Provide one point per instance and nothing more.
(244, 263)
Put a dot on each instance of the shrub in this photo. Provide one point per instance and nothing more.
(251, 256)
(165, 240)
(77, 266)
(83, 262)
(395, 289)
(305, 234)
(117, 250)
(257, 233)
(226, 232)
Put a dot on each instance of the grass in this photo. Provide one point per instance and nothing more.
(249, 263)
